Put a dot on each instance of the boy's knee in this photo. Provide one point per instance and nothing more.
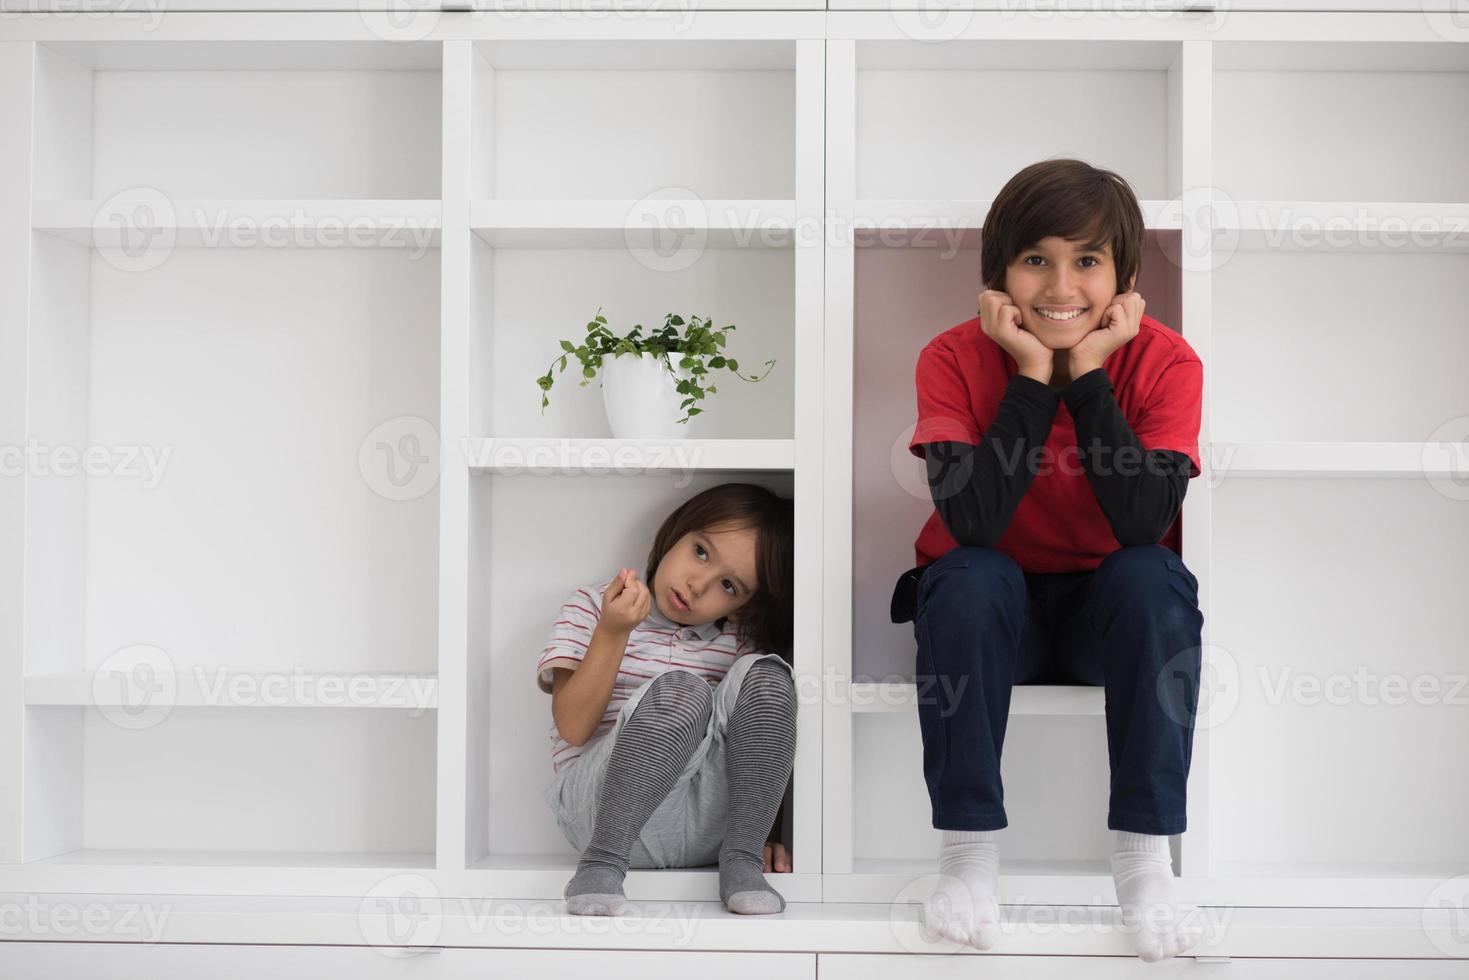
(974, 577)
(1137, 569)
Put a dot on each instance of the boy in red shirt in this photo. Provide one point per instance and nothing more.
(1060, 429)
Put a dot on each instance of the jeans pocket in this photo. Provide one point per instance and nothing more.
(1183, 580)
(930, 578)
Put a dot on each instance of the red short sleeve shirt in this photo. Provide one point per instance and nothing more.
(1058, 526)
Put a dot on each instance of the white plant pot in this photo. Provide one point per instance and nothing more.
(641, 397)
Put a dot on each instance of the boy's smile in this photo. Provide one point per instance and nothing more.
(1061, 288)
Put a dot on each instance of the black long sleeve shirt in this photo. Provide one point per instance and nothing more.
(977, 488)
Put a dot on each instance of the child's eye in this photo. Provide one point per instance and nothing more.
(1085, 258)
(699, 550)
(729, 585)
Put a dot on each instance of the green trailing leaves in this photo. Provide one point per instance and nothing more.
(698, 348)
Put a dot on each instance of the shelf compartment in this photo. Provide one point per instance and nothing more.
(258, 394)
(628, 119)
(1309, 102)
(1054, 769)
(905, 296)
(246, 787)
(1288, 341)
(208, 120)
(1335, 630)
(523, 563)
(526, 300)
(906, 91)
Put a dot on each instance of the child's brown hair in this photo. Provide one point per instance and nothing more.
(765, 621)
(1068, 198)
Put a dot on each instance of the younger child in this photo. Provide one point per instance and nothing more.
(674, 708)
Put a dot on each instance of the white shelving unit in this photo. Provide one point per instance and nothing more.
(1339, 439)
(321, 269)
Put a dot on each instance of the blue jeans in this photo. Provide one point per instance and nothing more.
(1132, 625)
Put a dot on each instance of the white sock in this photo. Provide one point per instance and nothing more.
(963, 906)
(1143, 873)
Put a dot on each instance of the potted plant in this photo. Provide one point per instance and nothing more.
(644, 389)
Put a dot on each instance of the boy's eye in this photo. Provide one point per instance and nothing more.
(1085, 258)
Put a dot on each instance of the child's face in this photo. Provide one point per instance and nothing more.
(1061, 276)
(713, 572)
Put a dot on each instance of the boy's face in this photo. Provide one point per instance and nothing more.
(713, 573)
(1061, 277)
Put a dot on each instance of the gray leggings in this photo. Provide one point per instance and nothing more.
(688, 827)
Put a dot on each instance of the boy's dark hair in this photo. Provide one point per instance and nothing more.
(1065, 197)
(765, 621)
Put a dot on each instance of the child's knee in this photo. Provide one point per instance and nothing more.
(678, 698)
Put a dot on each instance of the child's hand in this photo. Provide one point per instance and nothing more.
(999, 318)
(627, 601)
(777, 858)
(1120, 323)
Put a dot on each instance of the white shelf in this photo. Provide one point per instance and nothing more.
(219, 687)
(1025, 699)
(883, 221)
(240, 859)
(877, 927)
(151, 220)
(1346, 226)
(591, 457)
(646, 223)
(1337, 459)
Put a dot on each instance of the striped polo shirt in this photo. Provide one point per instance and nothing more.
(655, 645)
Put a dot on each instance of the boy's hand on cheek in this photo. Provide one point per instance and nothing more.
(1121, 321)
(999, 317)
